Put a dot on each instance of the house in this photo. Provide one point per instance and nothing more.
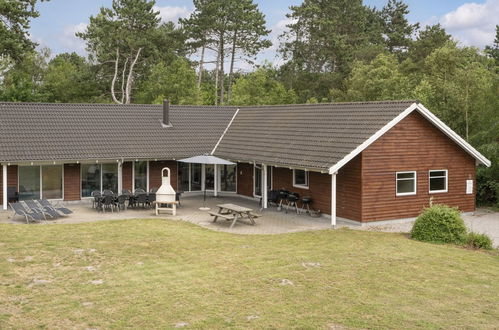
(363, 162)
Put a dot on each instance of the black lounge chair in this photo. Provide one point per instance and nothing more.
(20, 210)
(61, 210)
(33, 206)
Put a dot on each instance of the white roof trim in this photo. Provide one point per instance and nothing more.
(225, 131)
(428, 115)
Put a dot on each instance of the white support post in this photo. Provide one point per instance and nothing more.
(4, 186)
(120, 177)
(215, 179)
(333, 199)
(264, 187)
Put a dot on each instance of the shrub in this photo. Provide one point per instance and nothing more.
(439, 224)
(479, 241)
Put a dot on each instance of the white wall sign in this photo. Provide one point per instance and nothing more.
(469, 187)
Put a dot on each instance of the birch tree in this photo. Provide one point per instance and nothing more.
(118, 38)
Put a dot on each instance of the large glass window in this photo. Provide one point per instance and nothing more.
(257, 181)
(438, 181)
(406, 183)
(29, 182)
(90, 179)
(209, 177)
(140, 175)
(52, 182)
(228, 178)
(196, 170)
(110, 177)
(183, 176)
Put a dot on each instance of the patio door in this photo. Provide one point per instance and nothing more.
(209, 177)
(258, 179)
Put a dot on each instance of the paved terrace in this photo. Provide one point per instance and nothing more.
(270, 222)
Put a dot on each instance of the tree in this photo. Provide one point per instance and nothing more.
(22, 81)
(397, 30)
(428, 40)
(175, 82)
(121, 36)
(70, 78)
(378, 80)
(15, 19)
(493, 50)
(261, 88)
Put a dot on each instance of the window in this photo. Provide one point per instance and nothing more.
(228, 177)
(406, 183)
(196, 177)
(300, 178)
(98, 177)
(110, 177)
(438, 181)
(140, 175)
(183, 176)
(37, 182)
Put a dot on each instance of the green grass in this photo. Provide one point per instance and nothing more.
(159, 273)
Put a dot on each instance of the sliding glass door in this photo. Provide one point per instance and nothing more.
(37, 182)
(191, 176)
(98, 177)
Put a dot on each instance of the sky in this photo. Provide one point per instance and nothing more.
(470, 23)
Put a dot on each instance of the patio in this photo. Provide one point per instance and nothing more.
(271, 221)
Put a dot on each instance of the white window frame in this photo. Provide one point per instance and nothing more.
(41, 179)
(446, 181)
(415, 183)
(307, 181)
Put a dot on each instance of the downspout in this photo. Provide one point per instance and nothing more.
(333, 199)
(4, 179)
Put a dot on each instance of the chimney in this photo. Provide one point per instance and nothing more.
(166, 113)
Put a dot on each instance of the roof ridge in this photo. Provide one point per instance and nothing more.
(113, 105)
(331, 104)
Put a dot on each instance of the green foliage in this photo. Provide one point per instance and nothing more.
(260, 88)
(379, 80)
(15, 19)
(175, 82)
(396, 28)
(439, 224)
(479, 241)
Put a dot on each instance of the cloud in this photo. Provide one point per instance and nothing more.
(473, 23)
(168, 13)
(70, 42)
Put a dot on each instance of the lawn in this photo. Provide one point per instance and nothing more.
(162, 274)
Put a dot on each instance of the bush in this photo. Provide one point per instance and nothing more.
(439, 224)
(479, 241)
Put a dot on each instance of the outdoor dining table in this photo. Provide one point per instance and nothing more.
(233, 212)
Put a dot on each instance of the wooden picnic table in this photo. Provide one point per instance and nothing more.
(233, 212)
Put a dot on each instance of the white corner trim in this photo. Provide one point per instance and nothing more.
(225, 131)
(428, 115)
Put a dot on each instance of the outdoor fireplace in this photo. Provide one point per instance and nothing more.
(166, 194)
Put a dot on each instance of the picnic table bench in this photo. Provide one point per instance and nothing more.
(233, 212)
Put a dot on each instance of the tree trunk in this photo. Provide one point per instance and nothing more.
(115, 76)
(129, 81)
(123, 80)
(200, 76)
(222, 74)
(217, 71)
(231, 72)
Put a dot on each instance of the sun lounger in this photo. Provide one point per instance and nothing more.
(20, 210)
(62, 210)
(34, 207)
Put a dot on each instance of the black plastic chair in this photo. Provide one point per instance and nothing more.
(120, 202)
(273, 197)
(107, 192)
(96, 195)
(141, 200)
(139, 191)
(178, 194)
(151, 198)
(107, 202)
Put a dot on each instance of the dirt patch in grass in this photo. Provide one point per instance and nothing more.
(165, 274)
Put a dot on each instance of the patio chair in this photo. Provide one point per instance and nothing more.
(141, 199)
(21, 211)
(151, 198)
(139, 191)
(178, 194)
(46, 211)
(132, 201)
(107, 192)
(125, 192)
(96, 195)
(12, 195)
(61, 210)
(153, 190)
(107, 202)
(120, 202)
(273, 197)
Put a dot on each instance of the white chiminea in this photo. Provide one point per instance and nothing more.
(165, 193)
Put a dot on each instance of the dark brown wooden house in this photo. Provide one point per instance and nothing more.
(363, 162)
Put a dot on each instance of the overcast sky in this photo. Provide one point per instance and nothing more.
(471, 23)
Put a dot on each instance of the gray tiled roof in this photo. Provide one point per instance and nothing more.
(305, 136)
(49, 132)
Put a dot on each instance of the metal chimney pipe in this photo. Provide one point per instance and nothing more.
(166, 112)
